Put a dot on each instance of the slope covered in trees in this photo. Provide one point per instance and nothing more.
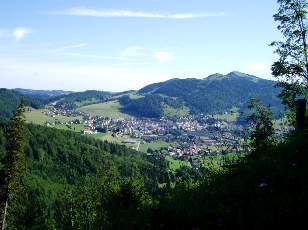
(10, 100)
(64, 168)
(214, 94)
(74, 100)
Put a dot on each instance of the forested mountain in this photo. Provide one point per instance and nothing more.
(176, 97)
(74, 100)
(214, 94)
(10, 100)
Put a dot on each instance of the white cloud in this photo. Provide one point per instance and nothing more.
(20, 33)
(133, 51)
(90, 12)
(17, 33)
(163, 56)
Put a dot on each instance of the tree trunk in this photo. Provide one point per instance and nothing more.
(300, 114)
(4, 215)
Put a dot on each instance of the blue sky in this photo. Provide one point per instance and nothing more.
(125, 44)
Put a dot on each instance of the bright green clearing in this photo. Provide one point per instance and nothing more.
(75, 127)
(176, 164)
(37, 116)
(108, 109)
(175, 112)
(155, 145)
(108, 137)
(135, 96)
(230, 116)
(118, 140)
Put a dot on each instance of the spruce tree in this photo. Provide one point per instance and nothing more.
(14, 163)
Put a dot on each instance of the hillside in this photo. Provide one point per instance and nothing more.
(75, 100)
(64, 167)
(10, 100)
(214, 94)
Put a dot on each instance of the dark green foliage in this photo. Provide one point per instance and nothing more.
(291, 69)
(149, 106)
(14, 164)
(66, 170)
(214, 94)
(10, 100)
(260, 122)
(267, 192)
(70, 101)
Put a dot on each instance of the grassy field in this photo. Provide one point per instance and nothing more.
(107, 137)
(37, 116)
(74, 128)
(172, 112)
(108, 109)
(155, 145)
(135, 96)
(230, 116)
(118, 140)
(176, 164)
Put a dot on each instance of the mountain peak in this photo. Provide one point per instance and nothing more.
(237, 74)
(214, 76)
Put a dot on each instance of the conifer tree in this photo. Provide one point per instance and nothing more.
(15, 162)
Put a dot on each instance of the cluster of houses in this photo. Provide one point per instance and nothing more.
(191, 135)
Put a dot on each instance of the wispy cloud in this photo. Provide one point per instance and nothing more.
(63, 48)
(92, 56)
(17, 33)
(91, 12)
(68, 50)
(163, 56)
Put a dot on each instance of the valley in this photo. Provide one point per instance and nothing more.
(188, 138)
(162, 119)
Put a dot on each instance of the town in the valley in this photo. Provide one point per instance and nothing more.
(186, 138)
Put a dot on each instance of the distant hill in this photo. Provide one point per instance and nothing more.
(42, 93)
(214, 94)
(75, 100)
(10, 100)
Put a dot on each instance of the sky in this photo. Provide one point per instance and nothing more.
(117, 45)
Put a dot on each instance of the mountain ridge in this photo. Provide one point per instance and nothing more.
(216, 93)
